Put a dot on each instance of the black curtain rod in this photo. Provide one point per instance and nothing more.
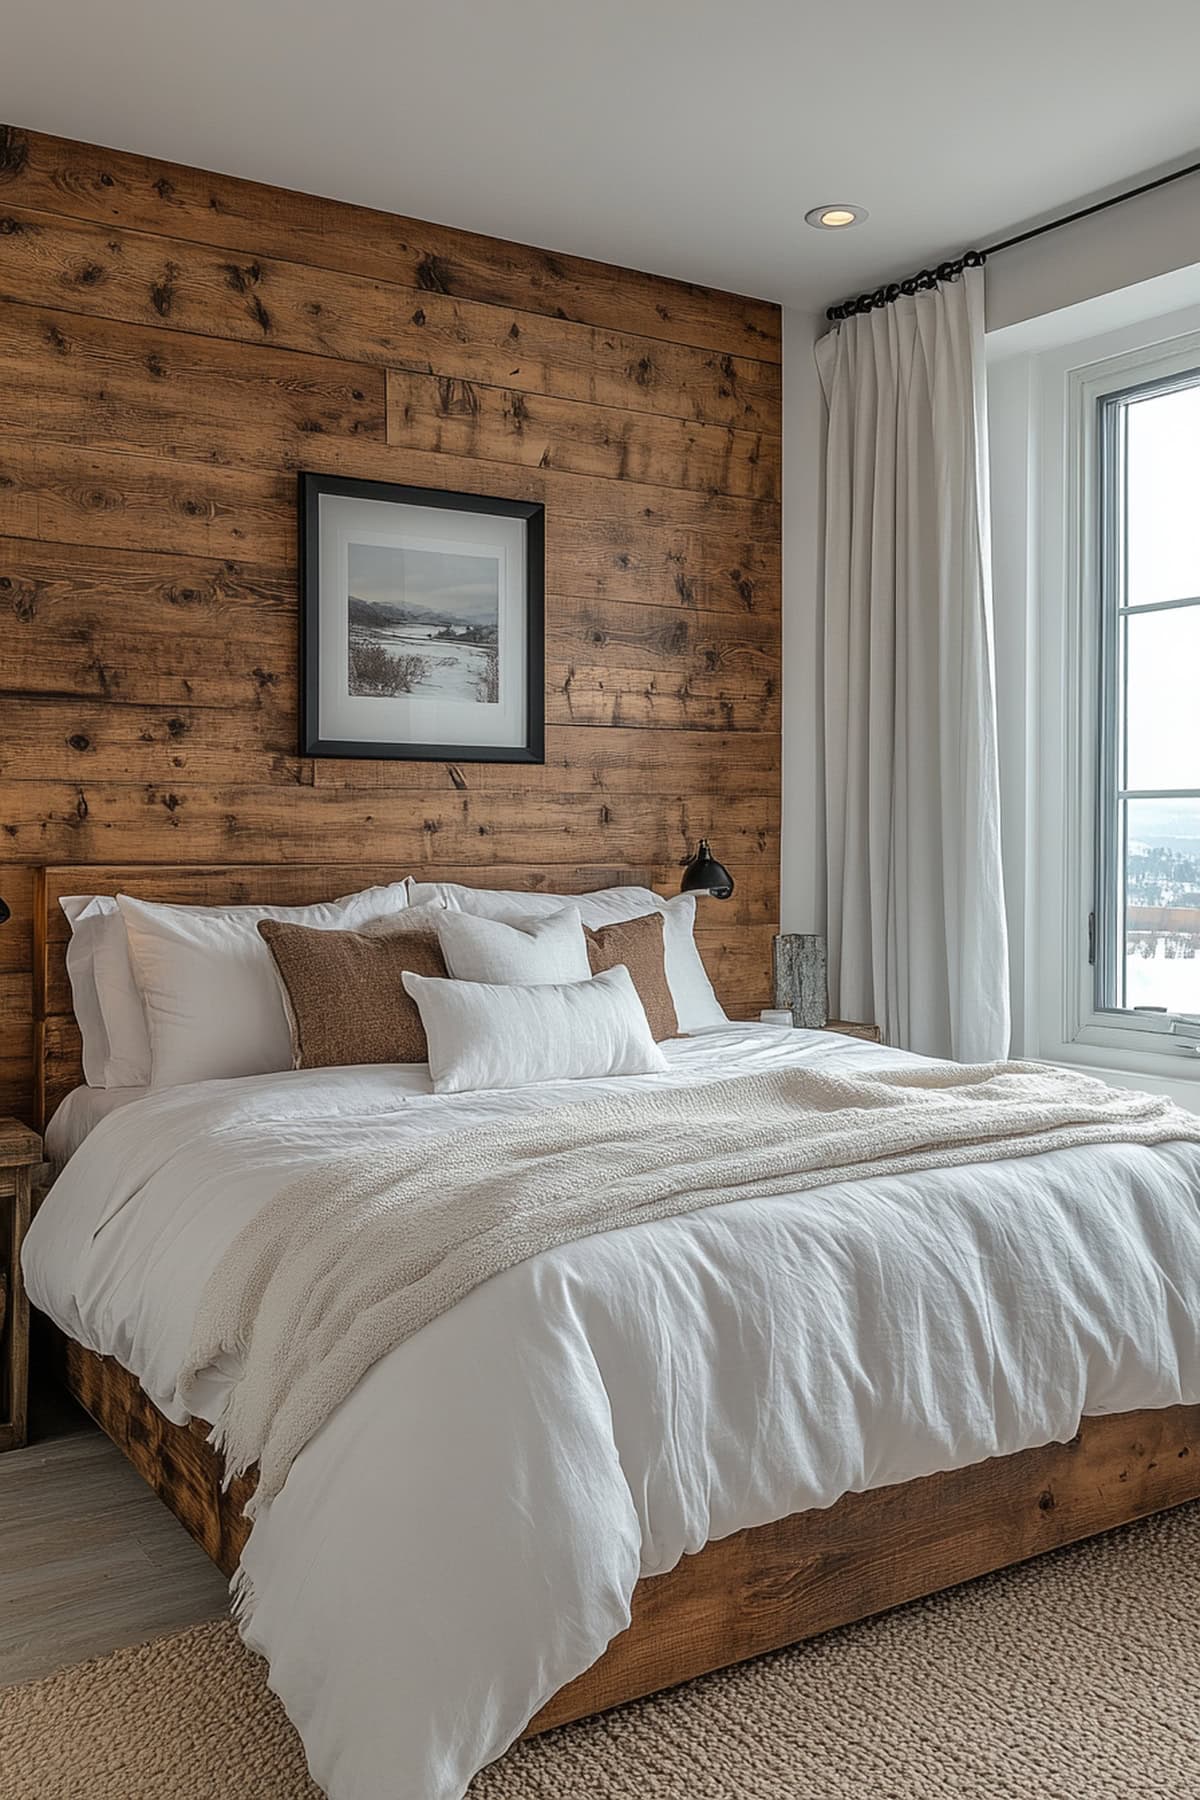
(975, 259)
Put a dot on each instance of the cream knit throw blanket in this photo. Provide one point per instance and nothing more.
(348, 1262)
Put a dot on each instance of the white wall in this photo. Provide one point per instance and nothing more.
(1133, 242)
(803, 857)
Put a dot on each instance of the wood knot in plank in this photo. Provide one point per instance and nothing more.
(433, 274)
(162, 291)
(14, 153)
(456, 396)
(24, 599)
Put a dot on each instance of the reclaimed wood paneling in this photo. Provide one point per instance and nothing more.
(181, 822)
(76, 379)
(157, 281)
(56, 493)
(174, 346)
(503, 425)
(621, 504)
(114, 187)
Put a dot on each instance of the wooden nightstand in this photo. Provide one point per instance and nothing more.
(872, 1033)
(20, 1153)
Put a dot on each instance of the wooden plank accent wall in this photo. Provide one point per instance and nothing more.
(174, 347)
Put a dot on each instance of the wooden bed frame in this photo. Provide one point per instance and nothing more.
(740, 1596)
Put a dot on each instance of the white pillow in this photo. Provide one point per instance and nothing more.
(108, 1006)
(696, 1005)
(409, 918)
(531, 950)
(483, 1036)
(85, 915)
(209, 985)
(606, 906)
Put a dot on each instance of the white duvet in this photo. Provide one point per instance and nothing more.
(464, 1534)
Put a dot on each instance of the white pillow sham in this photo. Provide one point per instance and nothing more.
(209, 986)
(530, 950)
(108, 1006)
(85, 915)
(696, 1005)
(409, 918)
(484, 1036)
(604, 906)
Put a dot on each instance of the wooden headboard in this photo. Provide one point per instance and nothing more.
(57, 1051)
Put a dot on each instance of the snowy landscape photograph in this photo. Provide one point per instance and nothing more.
(423, 621)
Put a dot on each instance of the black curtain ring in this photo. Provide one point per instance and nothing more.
(920, 283)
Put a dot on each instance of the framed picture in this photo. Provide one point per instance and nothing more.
(422, 623)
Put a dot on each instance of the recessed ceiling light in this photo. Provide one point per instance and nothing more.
(835, 218)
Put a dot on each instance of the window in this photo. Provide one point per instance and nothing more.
(1095, 456)
(1145, 935)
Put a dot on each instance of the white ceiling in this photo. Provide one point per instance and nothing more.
(686, 137)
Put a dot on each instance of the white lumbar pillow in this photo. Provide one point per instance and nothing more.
(484, 1036)
(529, 950)
(208, 983)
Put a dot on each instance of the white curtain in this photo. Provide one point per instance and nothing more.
(916, 931)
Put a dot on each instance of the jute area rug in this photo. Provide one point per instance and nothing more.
(1073, 1678)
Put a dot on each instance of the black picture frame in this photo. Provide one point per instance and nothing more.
(313, 741)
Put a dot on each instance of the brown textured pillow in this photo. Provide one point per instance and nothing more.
(638, 943)
(346, 1001)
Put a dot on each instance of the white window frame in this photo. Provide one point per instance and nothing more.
(1072, 1025)
(1112, 790)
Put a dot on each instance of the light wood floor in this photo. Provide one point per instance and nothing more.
(90, 1559)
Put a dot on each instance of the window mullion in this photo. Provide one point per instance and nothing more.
(1130, 611)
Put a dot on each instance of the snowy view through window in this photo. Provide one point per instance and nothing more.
(1158, 796)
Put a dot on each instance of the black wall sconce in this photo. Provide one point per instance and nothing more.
(5, 912)
(703, 874)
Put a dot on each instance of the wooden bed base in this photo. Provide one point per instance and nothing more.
(760, 1589)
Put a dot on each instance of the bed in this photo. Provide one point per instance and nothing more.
(750, 1589)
